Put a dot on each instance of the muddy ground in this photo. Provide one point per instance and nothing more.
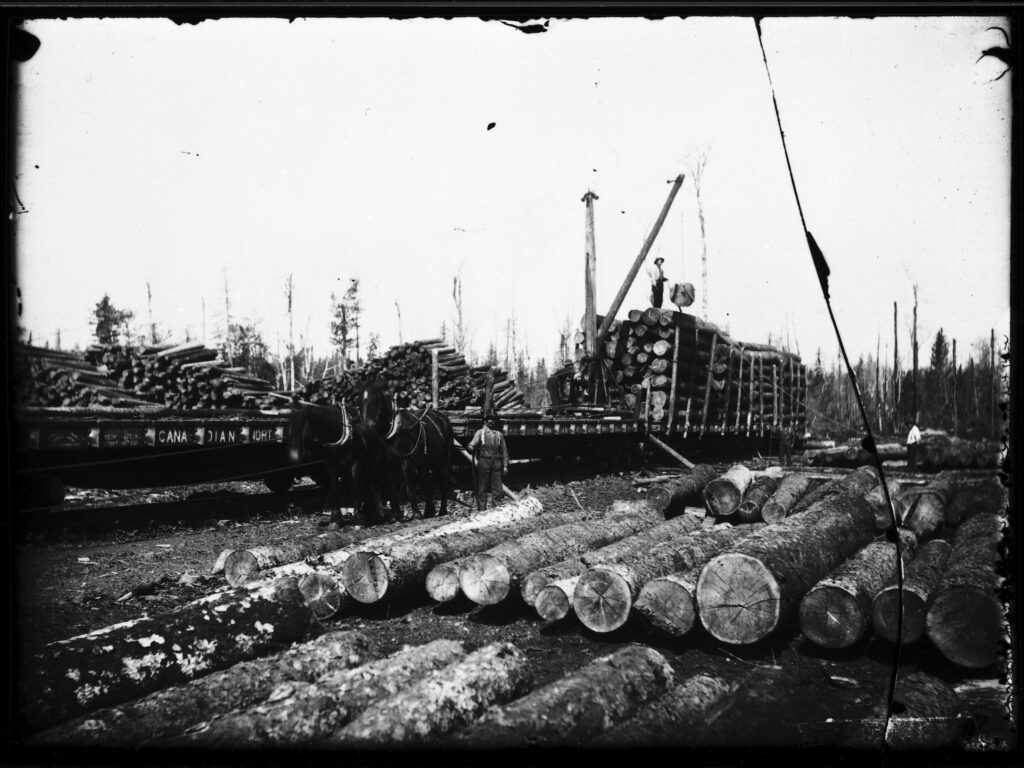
(68, 583)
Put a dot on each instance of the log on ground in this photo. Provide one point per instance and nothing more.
(883, 514)
(790, 489)
(723, 495)
(554, 601)
(744, 594)
(858, 483)
(926, 513)
(756, 496)
(302, 713)
(488, 578)
(574, 709)
(836, 612)
(124, 661)
(920, 577)
(442, 702)
(688, 490)
(605, 594)
(173, 710)
(986, 497)
(965, 618)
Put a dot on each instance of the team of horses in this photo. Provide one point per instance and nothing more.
(372, 450)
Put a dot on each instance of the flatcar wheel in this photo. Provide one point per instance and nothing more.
(42, 491)
(278, 483)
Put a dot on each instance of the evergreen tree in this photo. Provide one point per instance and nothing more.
(110, 324)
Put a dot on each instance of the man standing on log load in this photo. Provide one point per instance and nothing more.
(658, 281)
(913, 440)
(491, 459)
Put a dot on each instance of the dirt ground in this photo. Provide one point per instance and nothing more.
(78, 583)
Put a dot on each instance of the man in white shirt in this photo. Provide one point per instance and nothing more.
(913, 439)
(658, 280)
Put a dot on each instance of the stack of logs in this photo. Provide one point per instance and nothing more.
(935, 451)
(52, 378)
(760, 550)
(182, 376)
(407, 371)
(679, 371)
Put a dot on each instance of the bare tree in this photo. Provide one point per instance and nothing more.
(697, 166)
(398, 309)
(459, 331)
(291, 338)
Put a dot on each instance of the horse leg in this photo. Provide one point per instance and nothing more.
(332, 503)
(409, 475)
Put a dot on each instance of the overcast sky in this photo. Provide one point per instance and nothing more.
(333, 149)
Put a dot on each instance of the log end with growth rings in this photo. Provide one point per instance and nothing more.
(667, 607)
(240, 567)
(324, 595)
(531, 586)
(485, 580)
(885, 614)
(366, 577)
(738, 599)
(773, 513)
(552, 603)
(966, 624)
(602, 600)
(831, 617)
(443, 582)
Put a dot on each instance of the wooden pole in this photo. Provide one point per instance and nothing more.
(750, 398)
(638, 262)
(672, 391)
(956, 425)
(728, 392)
(914, 415)
(435, 383)
(739, 393)
(669, 450)
(590, 280)
(707, 386)
(775, 396)
(993, 384)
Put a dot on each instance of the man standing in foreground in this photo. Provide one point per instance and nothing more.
(913, 439)
(491, 460)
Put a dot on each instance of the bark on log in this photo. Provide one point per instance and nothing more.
(986, 497)
(836, 613)
(128, 660)
(554, 601)
(749, 510)
(723, 495)
(927, 509)
(303, 713)
(743, 594)
(790, 489)
(672, 719)
(920, 577)
(883, 515)
(442, 702)
(965, 618)
(489, 578)
(858, 483)
(667, 603)
(172, 711)
(531, 585)
(576, 708)
(605, 594)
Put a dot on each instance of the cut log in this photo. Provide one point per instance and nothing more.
(442, 702)
(836, 613)
(689, 490)
(667, 603)
(723, 495)
(785, 497)
(576, 708)
(127, 660)
(171, 711)
(883, 514)
(926, 513)
(324, 595)
(554, 601)
(302, 713)
(672, 719)
(920, 577)
(965, 618)
(754, 499)
(986, 497)
(743, 594)
(858, 483)
(489, 578)
(531, 585)
(218, 565)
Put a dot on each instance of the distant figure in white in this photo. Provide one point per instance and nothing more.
(913, 439)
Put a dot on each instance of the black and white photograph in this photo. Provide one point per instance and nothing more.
(388, 383)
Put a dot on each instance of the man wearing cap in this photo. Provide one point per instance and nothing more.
(658, 280)
(491, 460)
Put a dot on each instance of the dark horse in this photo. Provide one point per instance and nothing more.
(417, 444)
(319, 433)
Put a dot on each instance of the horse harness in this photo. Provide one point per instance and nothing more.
(420, 434)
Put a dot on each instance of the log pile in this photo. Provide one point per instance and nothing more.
(685, 374)
(935, 452)
(407, 371)
(51, 378)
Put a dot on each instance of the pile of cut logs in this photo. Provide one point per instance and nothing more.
(182, 376)
(407, 371)
(52, 378)
(935, 451)
(678, 370)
